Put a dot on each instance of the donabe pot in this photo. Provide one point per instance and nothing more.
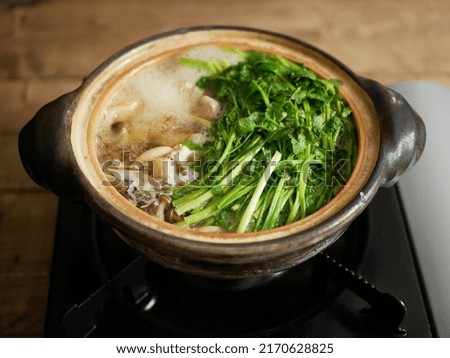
(58, 151)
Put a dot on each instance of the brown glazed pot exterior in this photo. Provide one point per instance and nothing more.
(53, 151)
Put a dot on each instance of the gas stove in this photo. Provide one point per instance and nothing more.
(369, 283)
(101, 288)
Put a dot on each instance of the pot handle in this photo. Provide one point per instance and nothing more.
(45, 149)
(403, 133)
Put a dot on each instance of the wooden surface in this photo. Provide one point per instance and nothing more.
(48, 47)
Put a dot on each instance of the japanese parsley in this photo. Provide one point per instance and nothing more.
(283, 145)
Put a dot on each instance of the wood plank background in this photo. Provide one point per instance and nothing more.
(47, 47)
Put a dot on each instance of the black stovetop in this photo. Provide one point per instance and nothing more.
(101, 288)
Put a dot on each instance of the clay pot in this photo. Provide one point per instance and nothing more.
(57, 149)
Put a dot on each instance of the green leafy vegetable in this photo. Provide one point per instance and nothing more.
(282, 148)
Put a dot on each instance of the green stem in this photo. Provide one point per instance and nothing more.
(264, 203)
(276, 216)
(251, 207)
(298, 209)
(189, 197)
(237, 192)
(263, 94)
(270, 214)
(224, 155)
(210, 210)
(181, 209)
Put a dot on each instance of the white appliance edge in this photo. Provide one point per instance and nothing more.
(425, 194)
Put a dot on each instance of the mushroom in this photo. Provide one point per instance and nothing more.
(164, 203)
(172, 216)
(119, 128)
(153, 153)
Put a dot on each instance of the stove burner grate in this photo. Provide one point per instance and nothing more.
(194, 306)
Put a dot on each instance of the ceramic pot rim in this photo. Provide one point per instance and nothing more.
(348, 203)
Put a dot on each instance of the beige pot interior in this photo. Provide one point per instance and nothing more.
(99, 91)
